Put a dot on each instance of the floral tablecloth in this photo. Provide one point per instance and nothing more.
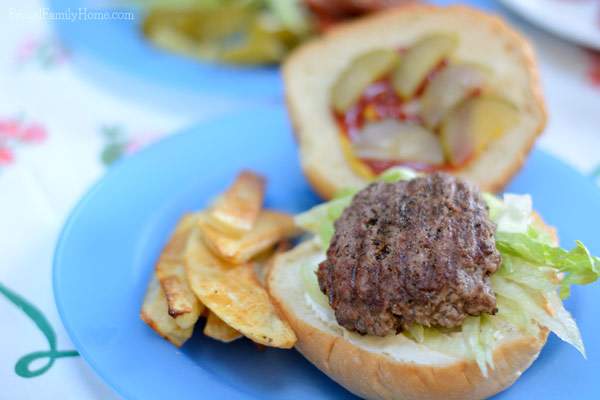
(60, 129)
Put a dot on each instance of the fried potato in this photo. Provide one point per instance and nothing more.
(219, 330)
(155, 313)
(270, 228)
(263, 262)
(234, 294)
(182, 304)
(235, 212)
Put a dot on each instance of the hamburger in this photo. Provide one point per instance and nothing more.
(423, 287)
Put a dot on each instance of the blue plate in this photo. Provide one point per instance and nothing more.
(108, 247)
(115, 48)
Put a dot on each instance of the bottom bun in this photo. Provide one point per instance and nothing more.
(393, 367)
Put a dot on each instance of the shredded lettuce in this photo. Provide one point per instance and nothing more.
(487, 337)
(309, 279)
(561, 323)
(416, 332)
(520, 271)
(320, 220)
(527, 285)
(397, 174)
(515, 214)
(472, 331)
(445, 343)
(511, 312)
(577, 265)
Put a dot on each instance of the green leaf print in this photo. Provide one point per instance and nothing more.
(23, 366)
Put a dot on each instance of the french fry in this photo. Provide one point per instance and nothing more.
(270, 228)
(219, 330)
(263, 262)
(182, 304)
(155, 313)
(234, 294)
(236, 210)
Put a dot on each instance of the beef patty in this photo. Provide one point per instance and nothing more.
(418, 251)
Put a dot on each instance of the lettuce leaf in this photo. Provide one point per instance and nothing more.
(416, 332)
(311, 285)
(397, 174)
(561, 323)
(578, 265)
(320, 219)
(515, 214)
(511, 312)
(472, 333)
(520, 271)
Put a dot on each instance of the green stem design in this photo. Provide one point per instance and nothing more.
(23, 365)
(596, 173)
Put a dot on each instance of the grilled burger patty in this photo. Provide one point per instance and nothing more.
(418, 251)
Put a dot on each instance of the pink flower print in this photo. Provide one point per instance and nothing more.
(138, 143)
(34, 133)
(10, 128)
(594, 69)
(6, 156)
(26, 50)
(16, 132)
(46, 52)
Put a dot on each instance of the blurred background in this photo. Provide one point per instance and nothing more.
(84, 83)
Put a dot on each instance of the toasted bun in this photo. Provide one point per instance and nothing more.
(369, 367)
(311, 70)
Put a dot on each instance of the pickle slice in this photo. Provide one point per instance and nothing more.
(419, 60)
(391, 139)
(449, 87)
(362, 71)
(260, 46)
(472, 125)
(233, 33)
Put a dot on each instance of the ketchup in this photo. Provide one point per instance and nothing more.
(380, 101)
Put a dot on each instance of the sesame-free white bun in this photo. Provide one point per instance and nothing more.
(312, 69)
(393, 367)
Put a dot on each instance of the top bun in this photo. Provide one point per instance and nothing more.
(311, 71)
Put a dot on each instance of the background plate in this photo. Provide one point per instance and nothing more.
(574, 20)
(108, 247)
(115, 48)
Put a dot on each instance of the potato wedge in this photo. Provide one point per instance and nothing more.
(270, 228)
(238, 208)
(219, 330)
(175, 247)
(182, 304)
(263, 262)
(234, 294)
(155, 313)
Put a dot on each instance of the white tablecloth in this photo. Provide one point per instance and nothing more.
(60, 128)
